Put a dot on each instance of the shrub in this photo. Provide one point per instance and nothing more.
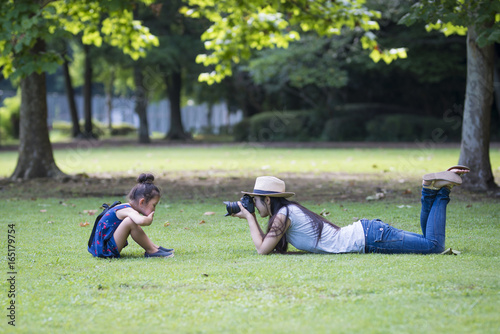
(65, 129)
(344, 128)
(62, 127)
(410, 128)
(123, 129)
(284, 126)
(9, 117)
(241, 130)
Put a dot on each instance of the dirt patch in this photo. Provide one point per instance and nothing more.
(201, 186)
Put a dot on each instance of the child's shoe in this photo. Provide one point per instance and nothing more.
(159, 253)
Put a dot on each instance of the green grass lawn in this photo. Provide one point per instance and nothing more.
(217, 283)
(238, 159)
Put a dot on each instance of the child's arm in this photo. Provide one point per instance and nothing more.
(135, 216)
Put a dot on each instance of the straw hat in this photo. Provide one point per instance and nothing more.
(269, 186)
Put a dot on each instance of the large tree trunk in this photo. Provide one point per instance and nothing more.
(87, 94)
(141, 105)
(35, 151)
(496, 78)
(475, 145)
(71, 100)
(174, 85)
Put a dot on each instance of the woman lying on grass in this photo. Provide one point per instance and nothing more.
(290, 222)
(119, 222)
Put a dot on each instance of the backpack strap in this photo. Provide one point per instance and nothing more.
(106, 209)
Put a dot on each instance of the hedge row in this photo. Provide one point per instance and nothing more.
(311, 126)
(98, 128)
(9, 118)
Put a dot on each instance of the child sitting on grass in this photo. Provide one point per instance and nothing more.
(126, 219)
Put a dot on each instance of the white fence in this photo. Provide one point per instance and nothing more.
(194, 117)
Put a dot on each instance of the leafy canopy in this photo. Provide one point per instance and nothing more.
(26, 22)
(454, 16)
(238, 27)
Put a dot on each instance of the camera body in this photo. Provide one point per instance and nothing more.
(246, 201)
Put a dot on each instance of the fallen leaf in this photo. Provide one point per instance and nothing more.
(324, 213)
(186, 228)
(205, 274)
(50, 222)
(202, 222)
(407, 192)
(166, 224)
(469, 206)
(63, 204)
(450, 251)
(375, 197)
(90, 212)
(209, 213)
(84, 224)
(43, 210)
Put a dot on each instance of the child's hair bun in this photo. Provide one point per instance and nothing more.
(145, 178)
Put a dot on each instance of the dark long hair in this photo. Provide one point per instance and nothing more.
(277, 203)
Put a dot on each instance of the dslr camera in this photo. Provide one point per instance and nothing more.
(246, 201)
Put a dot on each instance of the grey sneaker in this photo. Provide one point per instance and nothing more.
(159, 253)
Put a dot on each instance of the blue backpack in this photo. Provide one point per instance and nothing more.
(106, 209)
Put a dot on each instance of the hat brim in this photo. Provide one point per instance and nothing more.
(270, 194)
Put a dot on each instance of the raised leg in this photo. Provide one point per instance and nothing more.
(128, 227)
(436, 221)
(427, 200)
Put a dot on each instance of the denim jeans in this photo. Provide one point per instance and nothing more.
(382, 238)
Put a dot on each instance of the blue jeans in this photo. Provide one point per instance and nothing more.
(382, 238)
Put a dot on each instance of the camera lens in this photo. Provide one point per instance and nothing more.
(232, 207)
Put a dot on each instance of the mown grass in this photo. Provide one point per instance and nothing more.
(234, 160)
(217, 282)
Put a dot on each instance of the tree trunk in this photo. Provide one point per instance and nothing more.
(174, 85)
(35, 151)
(109, 97)
(87, 94)
(474, 151)
(70, 93)
(141, 105)
(496, 79)
(252, 95)
(210, 129)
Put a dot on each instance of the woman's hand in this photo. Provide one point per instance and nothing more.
(244, 213)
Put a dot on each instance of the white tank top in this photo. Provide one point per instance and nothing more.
(301, 234)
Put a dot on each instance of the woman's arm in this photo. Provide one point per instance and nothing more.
(135, 216)
(264, 243)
